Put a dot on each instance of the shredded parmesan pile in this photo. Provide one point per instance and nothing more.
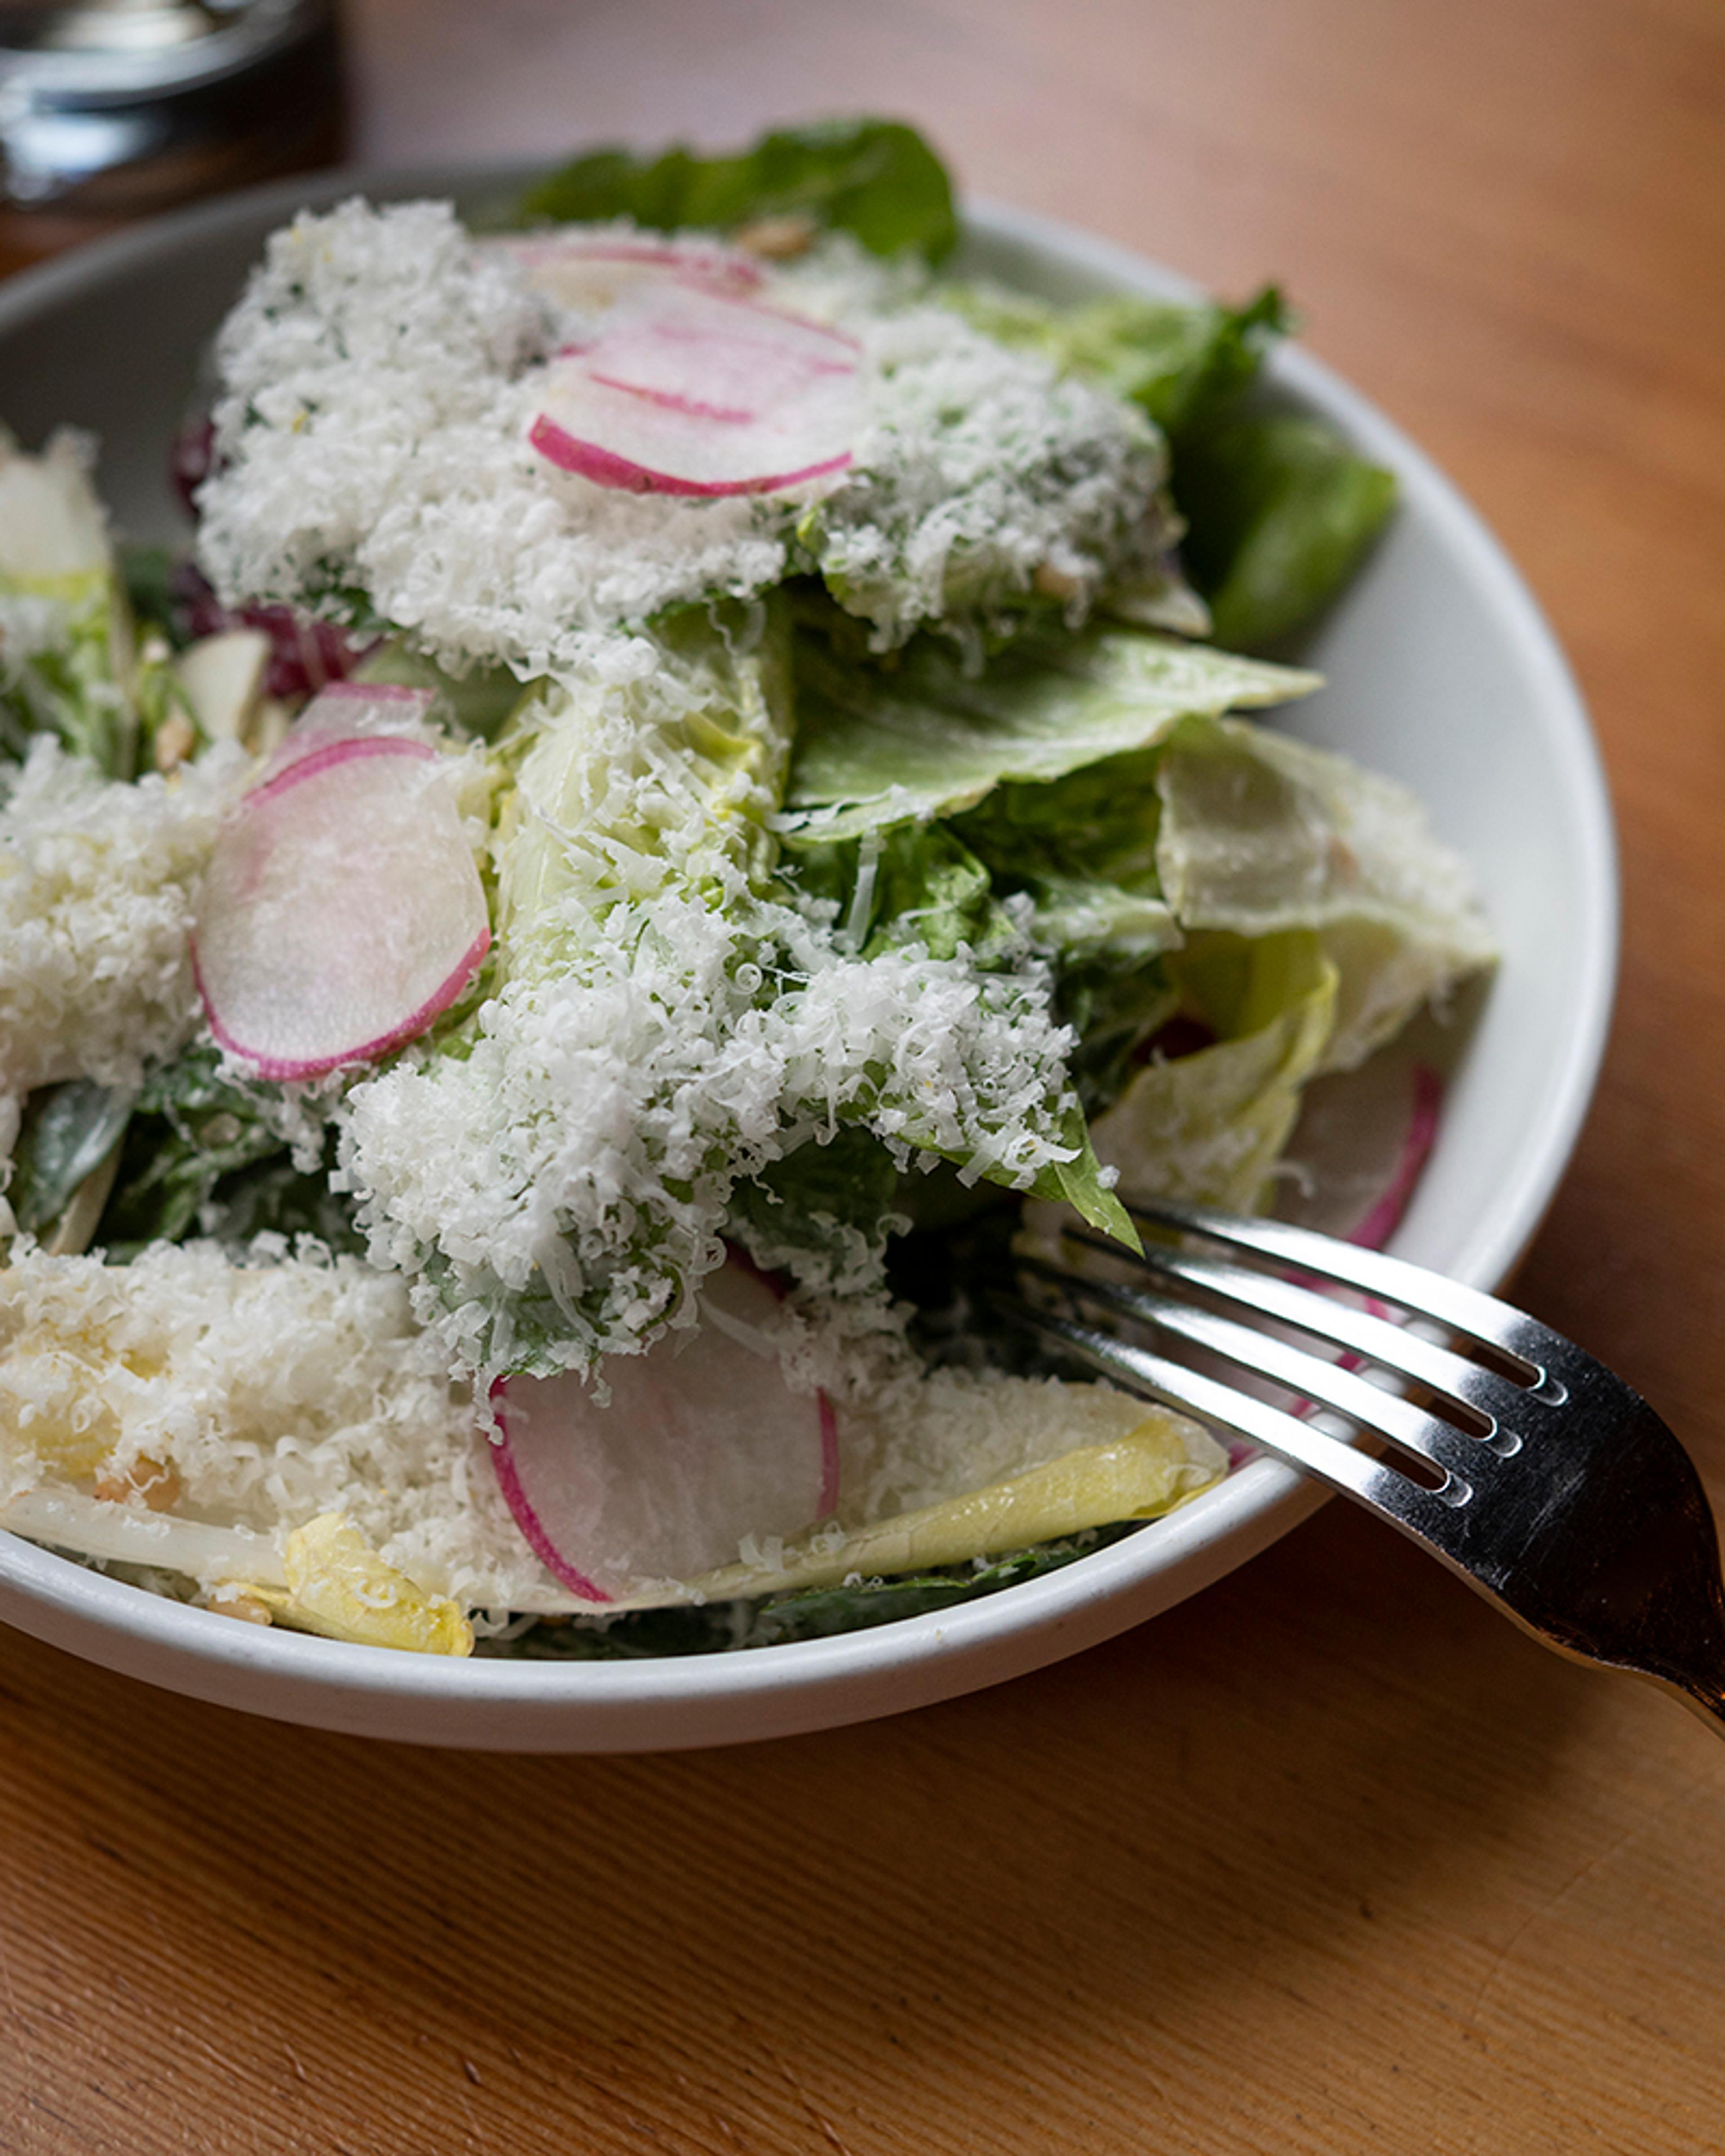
(582, 1155)
(380, 376)
(98, 886)
(150, 1375)
(981, 474)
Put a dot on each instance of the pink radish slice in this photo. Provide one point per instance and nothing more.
(1375, 1227)
(1381, 1219)
(592, 273)
(689, 391)
(342, 911)
(702, 1445)
(344, 712)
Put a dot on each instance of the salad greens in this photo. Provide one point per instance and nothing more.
(201, 1156)
(815, 1613)
(1278, 510)
(71, 661)
(876, 179)
(67, 1132)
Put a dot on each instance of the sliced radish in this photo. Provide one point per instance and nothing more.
(1380, 1221)
(686, 390)
(342, 911)
(345, 712)
(592, 272)
(702, 1445)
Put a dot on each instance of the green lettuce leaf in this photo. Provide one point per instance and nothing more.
(69, 663)
(1083, 848)
(1082, 851)
(1261, 833)
(929, 739)
(835, 1202)
(910, 883)
(920, 884)
(481, 702)
(67, 1132)
(876, 179)
(201, 1157)
(1280, 512)
(1211, 1125)
(1182, 361)
(806, 1614)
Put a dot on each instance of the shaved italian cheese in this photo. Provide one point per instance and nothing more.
(98, 887)
(381, 378)
(350, 1410)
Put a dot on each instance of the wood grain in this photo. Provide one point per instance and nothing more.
(1328, 1860)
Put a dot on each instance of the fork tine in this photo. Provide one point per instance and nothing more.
(1465, 1460)
(1408, 1504)
(1463, 1310)
(1497, 1401)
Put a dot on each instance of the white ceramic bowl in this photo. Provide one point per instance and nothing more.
(1441, 671)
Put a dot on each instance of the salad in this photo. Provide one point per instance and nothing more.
(691, 789)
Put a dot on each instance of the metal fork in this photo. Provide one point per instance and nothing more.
(1558, 1493)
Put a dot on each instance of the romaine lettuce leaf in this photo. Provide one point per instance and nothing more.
(1081, 852)
(920, 886)
(1209, 1126)
(1261, 833)
(68, 1131)
(929, 739)
(910, 883)
(1182, 361)
(68, 661)
(1278, 509)
(201, 1156)
(64, 642)
(876, 179)
(1280, 512)
(554, 1174)
(1083, 849)
(481, 702)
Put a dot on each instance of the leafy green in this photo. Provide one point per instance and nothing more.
(1182, 361)
(807, 1614)
(910, 883)
(59, 675)
(921, 884)
(1084, 846)
(147, 573)
(481, 702)
(929, 738)
(876, 179)
(1210, 1125)
(709, 759)
(200, 1157)
(834, 1201)
(1261, 833)
(67, 1132)
(1280, 512)
(68, 661)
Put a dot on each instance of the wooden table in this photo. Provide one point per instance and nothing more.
(1330, 1859)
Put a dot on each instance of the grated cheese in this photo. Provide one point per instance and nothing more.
(352, 1410)
(380, 375)
(98, 886)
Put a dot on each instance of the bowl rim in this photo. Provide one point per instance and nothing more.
(824, 1682)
